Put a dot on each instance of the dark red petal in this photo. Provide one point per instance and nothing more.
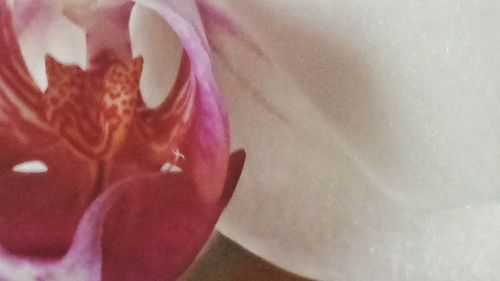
(39, 211)
(156, 229)
(84, 259)
(236, 163)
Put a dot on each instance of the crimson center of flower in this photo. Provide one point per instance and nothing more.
(92, 110)
(166, 170)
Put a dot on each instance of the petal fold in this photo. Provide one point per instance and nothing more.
(206, 146)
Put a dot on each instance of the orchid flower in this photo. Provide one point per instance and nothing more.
(94, 183)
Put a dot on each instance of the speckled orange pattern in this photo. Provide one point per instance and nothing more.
(92, 110)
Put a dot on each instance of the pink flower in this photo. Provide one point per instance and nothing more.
(94, 184)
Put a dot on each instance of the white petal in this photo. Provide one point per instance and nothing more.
(366, 121)
(153, 39)
(43, 30)
(109, 3)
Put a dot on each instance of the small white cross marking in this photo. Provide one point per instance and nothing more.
(178, 155)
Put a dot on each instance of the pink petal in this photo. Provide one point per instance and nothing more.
(218, 24)
(206, 139)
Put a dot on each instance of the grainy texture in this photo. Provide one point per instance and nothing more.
(224, 260)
